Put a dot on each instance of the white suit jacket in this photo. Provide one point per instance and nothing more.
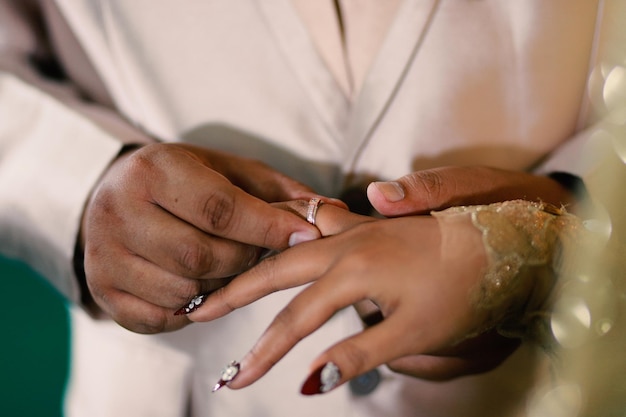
(456, 82)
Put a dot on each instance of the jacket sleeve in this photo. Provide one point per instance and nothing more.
(604, 104)
(54, 146)
(597, 154)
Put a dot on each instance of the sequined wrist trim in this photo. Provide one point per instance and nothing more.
(523, 241)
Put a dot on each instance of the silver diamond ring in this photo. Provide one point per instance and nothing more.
(311, 211)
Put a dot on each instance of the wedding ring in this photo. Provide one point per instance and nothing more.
(311, 211)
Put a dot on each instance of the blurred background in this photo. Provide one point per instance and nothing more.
(35, 344)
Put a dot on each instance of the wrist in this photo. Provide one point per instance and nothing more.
(524, 243)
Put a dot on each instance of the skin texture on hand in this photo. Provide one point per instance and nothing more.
(171, 221)
(396, 263)
(435, 189)
(426, 341)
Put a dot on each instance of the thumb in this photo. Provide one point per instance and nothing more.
(415, 193)
(439, 188)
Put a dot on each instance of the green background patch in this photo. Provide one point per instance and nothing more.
(35, 344)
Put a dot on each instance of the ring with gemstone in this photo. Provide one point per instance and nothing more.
(311, 211)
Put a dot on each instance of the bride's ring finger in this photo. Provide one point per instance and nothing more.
(329, 218)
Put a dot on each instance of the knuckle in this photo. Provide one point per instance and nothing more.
(266, 272)
(102, 299)
(396, 367)
(428, 183)
(98, 285)
(148, 165)
(104, 209)
(268, 232)
(151, 323)
(359, 262)
(150, 326)
(184, 292)
(194, 258)
(218, 211)
(353, 358)
(260, 358)
(144, 161)
(96, 290)
(221, 296)
(287, 320)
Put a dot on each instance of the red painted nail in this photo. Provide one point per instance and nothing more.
(193, 305)
(322, 380)
(229, 373)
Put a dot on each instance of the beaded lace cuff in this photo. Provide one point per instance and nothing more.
(524, 242)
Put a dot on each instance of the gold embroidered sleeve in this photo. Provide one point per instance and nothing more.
(524, 242)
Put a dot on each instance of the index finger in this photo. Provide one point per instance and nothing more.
(297, 266)
(349, 358)
(201, 196)
(306, 313)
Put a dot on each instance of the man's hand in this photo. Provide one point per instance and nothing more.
(168, 222)
(435, 189)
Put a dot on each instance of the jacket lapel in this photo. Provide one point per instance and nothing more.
(403, 41)
(327, 97)
(350, 125)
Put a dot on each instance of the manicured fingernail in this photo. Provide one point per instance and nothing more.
(229, 373)
(301, 237)
(322, 380)
(193, 305)
(391, 190)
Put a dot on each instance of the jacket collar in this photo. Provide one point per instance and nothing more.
(351, 125)
(328, 99)
(388, 71)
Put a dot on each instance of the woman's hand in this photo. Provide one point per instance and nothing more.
(422, 288)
